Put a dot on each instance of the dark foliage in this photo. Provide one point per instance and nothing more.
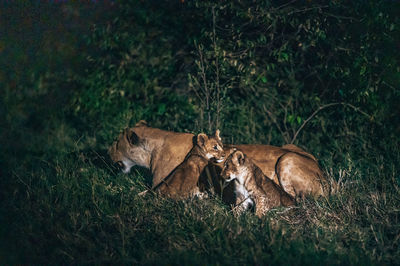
(324, 75)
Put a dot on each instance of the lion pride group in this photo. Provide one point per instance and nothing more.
(253, 176)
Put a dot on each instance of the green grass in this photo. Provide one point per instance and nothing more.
(76, 208)
(62, 103)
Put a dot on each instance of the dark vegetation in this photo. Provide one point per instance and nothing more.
(324, 75)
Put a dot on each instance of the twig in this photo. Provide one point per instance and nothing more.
(102, 159)
(196, 92)
(321, 108)
(356, 109)
(206, 89)
(310, 117)
(307, 9)
(238, 205)
(341, 17)
(217, 69)
(22, 181)
(286, 4)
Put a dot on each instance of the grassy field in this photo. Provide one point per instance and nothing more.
(74, 207)
(73, 76)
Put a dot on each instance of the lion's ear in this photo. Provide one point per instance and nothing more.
(133, 138)
(229, 151)
(201, 139)
(238, 158)
(141, 123)
(217, 135)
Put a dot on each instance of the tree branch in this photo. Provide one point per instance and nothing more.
(321, 108)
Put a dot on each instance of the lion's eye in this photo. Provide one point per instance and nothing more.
(215, 147)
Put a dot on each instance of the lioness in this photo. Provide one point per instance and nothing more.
(184, 180)
(158, 150)
(252, 186)
(162, 151)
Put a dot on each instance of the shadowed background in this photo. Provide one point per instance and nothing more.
(324, 75)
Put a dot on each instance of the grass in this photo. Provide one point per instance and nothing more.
(75, 208)
(61, 201)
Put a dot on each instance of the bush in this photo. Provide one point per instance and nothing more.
(322, 75)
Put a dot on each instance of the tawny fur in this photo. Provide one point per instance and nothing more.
(183, 182)
(255, 186)
(295, 170)
(162, 151)
(158, 150)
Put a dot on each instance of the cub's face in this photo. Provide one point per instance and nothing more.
(211, 146)
(129, 150)
(234, 167)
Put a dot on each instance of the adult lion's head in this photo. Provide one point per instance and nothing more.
(130, 149)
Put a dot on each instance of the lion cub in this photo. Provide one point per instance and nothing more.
(252, 186)
(183, 181)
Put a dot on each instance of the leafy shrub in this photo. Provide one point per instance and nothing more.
(323, 75)
(280, 62)
(132, 72)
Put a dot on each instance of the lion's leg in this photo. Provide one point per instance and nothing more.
(197, 193)
(286, 171)
(286, 184)
(260, 208)
(299, 175)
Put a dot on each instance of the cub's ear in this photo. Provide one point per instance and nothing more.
(230, 151)
(201, 139)
(141, 123)
(238, 158)
(217, 135)
(133, 138)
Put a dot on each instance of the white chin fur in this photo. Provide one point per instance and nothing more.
(127, 166)
(230, 179)
(220, 160)
(126, 170)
